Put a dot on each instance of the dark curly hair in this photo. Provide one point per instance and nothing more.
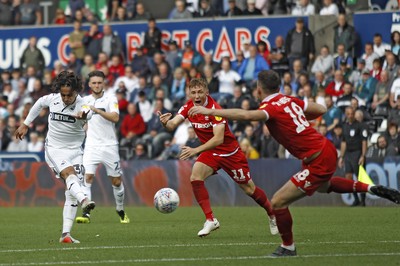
(67, 79)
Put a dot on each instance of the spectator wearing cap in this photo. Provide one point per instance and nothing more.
(251, 9)
(369, 55)
(342, 56)
(323, 62)
(356, 74)
(299, 44)
(173, 56)
(233, 9)
(180, 11)
(344, 34)
(252, 66)
(205, 10)
(152, 38)
(365, 88)
(93, 41)
(190, 57)
(303, 8)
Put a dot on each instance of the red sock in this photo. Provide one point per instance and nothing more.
(284, 222)
(344, 185)
(260, 197)
(201, 195)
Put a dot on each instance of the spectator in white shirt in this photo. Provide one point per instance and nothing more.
(130, 80)
(303, 8)
(35, 144)
(379, 46)
(323, 62)
(227, 78)
(329, 8)
(369, 55)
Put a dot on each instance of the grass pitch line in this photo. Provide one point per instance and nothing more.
(189, 245)
(199, 259)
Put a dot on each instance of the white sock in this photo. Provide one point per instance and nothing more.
(119, 196)
(87, 190)
(75, 188)
(291, 247)
(69, 212)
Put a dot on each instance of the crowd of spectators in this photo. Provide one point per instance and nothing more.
(156, 80)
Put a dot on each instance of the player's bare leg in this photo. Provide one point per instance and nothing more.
(281, 200)
(119, 195)
(259, 196)
(200, 172)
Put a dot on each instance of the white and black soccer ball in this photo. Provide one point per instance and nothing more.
(166, 200)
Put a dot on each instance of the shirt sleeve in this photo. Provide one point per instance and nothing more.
(183, 111)
(41, 103)
(113, 105)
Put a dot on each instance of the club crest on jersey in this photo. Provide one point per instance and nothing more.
(62, 117)
(352, 133)
(263, 106)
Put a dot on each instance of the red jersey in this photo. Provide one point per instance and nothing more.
(288, 125)
(203, 126)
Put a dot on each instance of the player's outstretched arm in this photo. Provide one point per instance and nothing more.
(314, 110)
(21, 131)
(168, 123)
(110, 116)
(232, 114)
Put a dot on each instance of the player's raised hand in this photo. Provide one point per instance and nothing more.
(21, 131)
(199, 110)
(164, 117)
(82, 115)
(187, 153)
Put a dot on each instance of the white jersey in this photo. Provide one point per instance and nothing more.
(65, 131)
(100, 130)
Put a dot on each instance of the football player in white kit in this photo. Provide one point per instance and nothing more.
(101, 144)
(63, 146)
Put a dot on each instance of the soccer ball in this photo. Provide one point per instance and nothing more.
(166, 200)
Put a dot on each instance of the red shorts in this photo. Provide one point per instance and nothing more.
(318, 171)
(234, 165)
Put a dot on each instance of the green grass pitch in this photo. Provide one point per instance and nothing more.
(323, 235)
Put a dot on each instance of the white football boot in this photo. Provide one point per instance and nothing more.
(208, 227)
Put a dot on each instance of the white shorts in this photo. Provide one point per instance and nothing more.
(59, 159)
(107, 155)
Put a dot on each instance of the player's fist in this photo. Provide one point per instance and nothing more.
(199, 110)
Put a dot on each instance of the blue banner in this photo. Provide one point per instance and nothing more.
(216, 36)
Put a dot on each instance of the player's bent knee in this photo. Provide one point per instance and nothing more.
(277, 203)
(116, 181)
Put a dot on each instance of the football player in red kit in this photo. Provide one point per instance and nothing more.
(219, 149)
(287, 119)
